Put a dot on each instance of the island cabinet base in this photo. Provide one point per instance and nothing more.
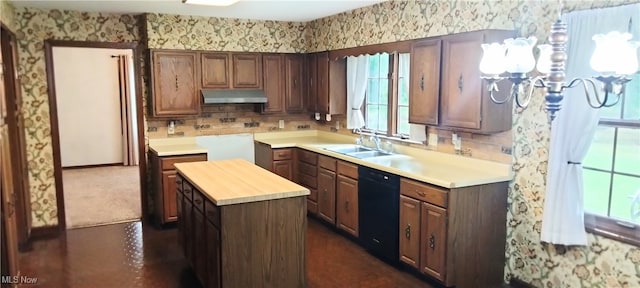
(253, 244)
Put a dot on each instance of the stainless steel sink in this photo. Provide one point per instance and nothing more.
(350, 149)
(367, 154)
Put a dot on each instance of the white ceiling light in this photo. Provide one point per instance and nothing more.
(211, 2)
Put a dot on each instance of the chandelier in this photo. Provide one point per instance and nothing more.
(614, 58)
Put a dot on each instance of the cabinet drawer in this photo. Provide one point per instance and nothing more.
(347, 169)
(312, 207)
(179, 181)
(327, 163)
(212, 213)
(167, 162)
(282, 154)
(425, 192)
(308, 181)
(187, 190)
(308, 169)
(198, 200)
(308, 157)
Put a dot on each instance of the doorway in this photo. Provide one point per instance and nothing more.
(96, 119)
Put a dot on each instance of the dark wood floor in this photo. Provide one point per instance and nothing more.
(130, 255)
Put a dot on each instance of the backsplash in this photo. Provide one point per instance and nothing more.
(229, 119)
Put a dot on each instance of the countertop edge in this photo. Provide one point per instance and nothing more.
(402, 173)
(177, 152)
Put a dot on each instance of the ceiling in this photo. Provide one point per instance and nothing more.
(279, 10)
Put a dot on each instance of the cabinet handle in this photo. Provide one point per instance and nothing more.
(198, 201)
(346, 206)
(421, 193)
(407, 231)
(432, 242)
(176, 82)
(295, 83)
(460, 83)
(422, 82)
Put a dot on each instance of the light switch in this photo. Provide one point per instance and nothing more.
(281, 124)
(433, 139)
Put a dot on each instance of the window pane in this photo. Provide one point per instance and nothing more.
(632, 99)
(373, 65)
(596, 191)
(600, 153)
(612, 112)
(384, 65)
(628, 151)
(624, 188)
(382, 124)
(372, 91)
(372, 117)
(384, 91)
(403, 120)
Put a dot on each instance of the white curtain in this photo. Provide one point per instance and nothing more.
(573, 130)
(357, 75)
(128, 148)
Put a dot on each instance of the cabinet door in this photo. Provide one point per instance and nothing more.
(215, 70)
(433, 239)
(175, 90)
(247, 70)
(284, 168)
(312, 88)
(461, 83)
(294, 87)
(347, 205)
(322, 75)
(410, 231)
(187, 211)
(424, 90)
(327, 195)
(170, 206)
(273, 83)
(212, 255)
(200, 246)
(180, 219)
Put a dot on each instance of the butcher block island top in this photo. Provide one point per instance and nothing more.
(236, 181)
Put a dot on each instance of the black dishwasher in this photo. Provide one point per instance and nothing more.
(378, 204)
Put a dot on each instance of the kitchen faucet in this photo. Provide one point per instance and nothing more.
(375, 139)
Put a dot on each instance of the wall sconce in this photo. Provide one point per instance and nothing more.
(614, 58)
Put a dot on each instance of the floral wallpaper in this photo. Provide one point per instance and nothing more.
(604, 263)
(224, 34)
(33, 26)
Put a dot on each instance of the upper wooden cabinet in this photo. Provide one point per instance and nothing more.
(247, 70)
(215, 70)
(445, 85)
(227, 70)
(329, 84)
(464, 100)
(424, 89)
(274, 83)
(294, 82)
(174, 83)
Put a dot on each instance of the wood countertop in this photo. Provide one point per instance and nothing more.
(441, 169)
(176, 146)
(236, 181)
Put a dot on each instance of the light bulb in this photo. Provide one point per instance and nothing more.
(519, 58)
(492, 62)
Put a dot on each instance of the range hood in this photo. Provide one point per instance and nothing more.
(215, 96)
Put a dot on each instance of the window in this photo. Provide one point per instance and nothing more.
(386, 109)
(612, 166)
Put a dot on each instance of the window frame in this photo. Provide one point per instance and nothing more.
(610, 227)
(392, 101)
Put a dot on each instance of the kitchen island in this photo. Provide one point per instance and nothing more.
(240, 225)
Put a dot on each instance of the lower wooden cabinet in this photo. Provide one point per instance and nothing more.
(327, 195)
(434, 239)
(163, 181)
(347, 198)
(278, 161)
(307, 175)
(409, 231)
